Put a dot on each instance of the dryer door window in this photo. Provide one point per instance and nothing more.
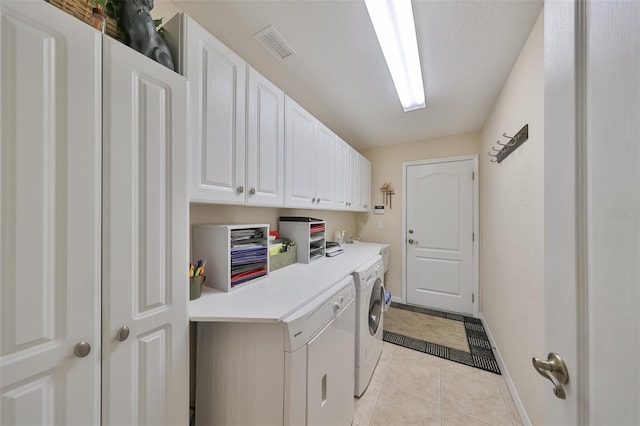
(375, 307)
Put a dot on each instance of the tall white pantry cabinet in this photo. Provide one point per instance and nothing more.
(93, 227)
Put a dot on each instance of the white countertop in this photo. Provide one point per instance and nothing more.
(283, 292)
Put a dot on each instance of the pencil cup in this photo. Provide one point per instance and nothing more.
(195, 286)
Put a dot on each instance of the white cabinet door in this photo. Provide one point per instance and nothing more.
(343, 174)
(145, 249)
(217, 79)
(265, 142)
(50, 216)
(353, 169)
(324, 168)
(364, 201)
(300, 139)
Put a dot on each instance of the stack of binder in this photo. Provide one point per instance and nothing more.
(333, 249)
(248, 255)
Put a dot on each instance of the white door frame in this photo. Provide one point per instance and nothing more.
(583, 260)
(476, 227)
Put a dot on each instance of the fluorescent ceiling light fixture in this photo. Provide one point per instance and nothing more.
(396, 30)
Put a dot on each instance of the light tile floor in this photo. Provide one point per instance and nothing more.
(413, 388)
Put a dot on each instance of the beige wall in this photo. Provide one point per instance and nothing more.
(386, 167)
(229, 214)
(164, 9)
(512, 226)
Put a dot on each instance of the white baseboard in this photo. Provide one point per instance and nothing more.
(505, 374)
(396, 299)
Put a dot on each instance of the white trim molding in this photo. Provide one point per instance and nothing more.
(505, 373)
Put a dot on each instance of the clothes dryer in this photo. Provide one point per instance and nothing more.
(369, 280)
(298, 371)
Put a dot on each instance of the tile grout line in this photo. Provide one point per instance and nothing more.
(383, 378)
(506, 404)
(441, 398)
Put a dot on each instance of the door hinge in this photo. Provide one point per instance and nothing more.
(473, 298)
(473, 237)
(473, 175)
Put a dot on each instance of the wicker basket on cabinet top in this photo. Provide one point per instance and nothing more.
(83, 10)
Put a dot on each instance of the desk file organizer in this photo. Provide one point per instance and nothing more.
(236, 254)
(308, 234)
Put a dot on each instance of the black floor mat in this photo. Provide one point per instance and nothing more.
(481, 355)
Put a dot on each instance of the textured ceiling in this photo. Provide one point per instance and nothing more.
(338, 74)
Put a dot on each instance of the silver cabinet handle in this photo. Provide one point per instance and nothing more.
(411, 231)
(82, 349)
(252, 191)
(313, 200)
(240, 189)
(412, 241)
(122, 334)
(555, 370)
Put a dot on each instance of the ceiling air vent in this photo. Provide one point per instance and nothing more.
(273, 41)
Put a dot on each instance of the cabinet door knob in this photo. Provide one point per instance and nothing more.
(313, 200)
(252, 191)
(82, 349)
(123, 334)
(240, 189)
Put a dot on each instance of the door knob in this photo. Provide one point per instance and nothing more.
(555, 370)
(412, 241)
(82, 349)
(240, 189)
(252, 191)
(411, 231)
(123, 334)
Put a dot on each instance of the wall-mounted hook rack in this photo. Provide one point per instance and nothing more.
(507, 148)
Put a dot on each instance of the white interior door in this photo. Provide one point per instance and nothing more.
(592, 209)
(50, 216)
(440, 217)
(145, 251)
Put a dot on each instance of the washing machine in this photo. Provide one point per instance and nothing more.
(369, 280)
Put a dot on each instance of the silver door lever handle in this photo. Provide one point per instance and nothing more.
(555, 370)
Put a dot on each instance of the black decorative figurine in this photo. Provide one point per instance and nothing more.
(137, 24)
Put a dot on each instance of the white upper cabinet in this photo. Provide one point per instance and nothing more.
(265, 142)
(251, 144)
(300, 141)
(217, 96)
(50, 233)
(353, 186)
(364, 201)
(309, 160)
(354, 169)
(343, 175)
(324, 167)
(145, 242)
